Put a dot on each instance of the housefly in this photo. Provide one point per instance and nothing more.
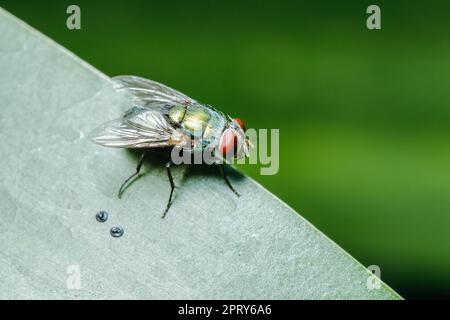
(162, 117)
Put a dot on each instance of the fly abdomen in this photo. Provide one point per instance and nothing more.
(177, 113)
(192, 118)
(196, 120)
(200, 121)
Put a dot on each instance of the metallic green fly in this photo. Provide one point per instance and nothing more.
(162, 117)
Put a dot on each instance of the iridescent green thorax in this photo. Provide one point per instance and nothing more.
(200, 121)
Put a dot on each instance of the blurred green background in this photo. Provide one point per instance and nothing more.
(363, 115)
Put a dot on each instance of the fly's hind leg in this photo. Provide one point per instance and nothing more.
(138, 169)
(172, 187)
(222, 172)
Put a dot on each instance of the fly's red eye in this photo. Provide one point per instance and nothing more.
(240, 122)
(228, 143)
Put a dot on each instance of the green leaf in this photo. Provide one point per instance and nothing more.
(211, 245)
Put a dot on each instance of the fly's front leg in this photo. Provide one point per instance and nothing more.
(222, 172)
(138, 169)
(172, 187)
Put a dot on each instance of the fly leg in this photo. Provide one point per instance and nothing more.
(222, 172)
(138, 169)
(172, 187)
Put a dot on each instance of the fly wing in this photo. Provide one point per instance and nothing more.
(144, 91)
(139, 128)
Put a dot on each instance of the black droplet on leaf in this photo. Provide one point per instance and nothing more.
(116, 232)
(101, 216)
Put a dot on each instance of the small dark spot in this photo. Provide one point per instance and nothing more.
(101, 216)
(116, 232)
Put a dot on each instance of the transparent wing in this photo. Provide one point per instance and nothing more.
(144, 91)
(140, 128)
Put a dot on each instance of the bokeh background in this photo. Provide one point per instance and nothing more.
(363, 115)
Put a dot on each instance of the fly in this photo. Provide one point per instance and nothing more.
(162, 117)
